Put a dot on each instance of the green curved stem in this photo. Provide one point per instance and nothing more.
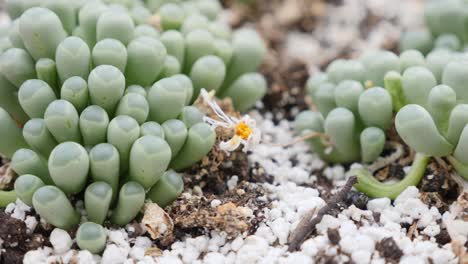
(7, 197)
(461, 168)
(375, 189)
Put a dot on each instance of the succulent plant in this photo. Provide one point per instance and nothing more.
(446, 28)
(353, 113)
(189, 40)
(353, 116)
(95, 100)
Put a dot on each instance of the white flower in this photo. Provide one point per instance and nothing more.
(245, 129)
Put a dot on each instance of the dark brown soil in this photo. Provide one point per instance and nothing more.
(389, 250)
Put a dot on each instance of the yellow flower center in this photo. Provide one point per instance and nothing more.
(243, 130)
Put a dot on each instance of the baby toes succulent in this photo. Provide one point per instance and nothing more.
(96, 101)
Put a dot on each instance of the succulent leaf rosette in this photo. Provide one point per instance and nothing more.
(426, 93)
(446, 27)
(96, 101)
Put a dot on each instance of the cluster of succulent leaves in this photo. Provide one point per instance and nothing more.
(358, 99)
(447, 27)
(95, 101)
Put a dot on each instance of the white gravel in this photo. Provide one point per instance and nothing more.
(292, 198)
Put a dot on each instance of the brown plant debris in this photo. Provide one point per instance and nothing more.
(158, 223)
(307, 225)
(234, 212)
(16, 240)
(7, 177)
(389, 250)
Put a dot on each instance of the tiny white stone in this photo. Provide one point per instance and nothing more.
(60, 240)
(113, 255)
(31, 223)
(215, 203)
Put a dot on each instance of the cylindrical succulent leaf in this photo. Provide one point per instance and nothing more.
(75, 90)
(166, 99)
(104, 163)
(436, 62)
(136, 89)
(151, 128)
(454, 75)
(175, 44)
(340, 125)
(172, 16)
(393, 85)
(248, 52)
(134, 105)
(461, 150)
(145, 61)
(417, 83)
(37, 136)
(35, 96)
(17, 66)
(341, 70)
(149, 158)
(418, 130)
(9, 101)
(65, 11)
(410, 58)
(224, 50)
(110, 52)
(93, 125)
(47, 71)
(190, 116)
(10, 134)
(377, 64)
(208, 8)
(198, 43)
(26, 185)
(220, 30)
(115, 24)
(73, 58)
(200, 141)
(175, 133)
(97, 200)
(194, 22)
(106, 86)
(372, 143)
(246, 90)
(14, 8)
(347, 94)
(441, 100)
(167, 189)
(88, 17)
(14, 35)
(41, 31)
(26, 161)
(69, 167)
(314, 82)
(207, 72)
(131, 200)
(375, 108)
(53, 205)
(62, 120)
(457, 121)
(171, 67)
(419, 40)
(91, 237)
(447, 41)
(140, 14)
(187, 84)
(146, 31)
(324, 98)
(122, 132)
(309, 120)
